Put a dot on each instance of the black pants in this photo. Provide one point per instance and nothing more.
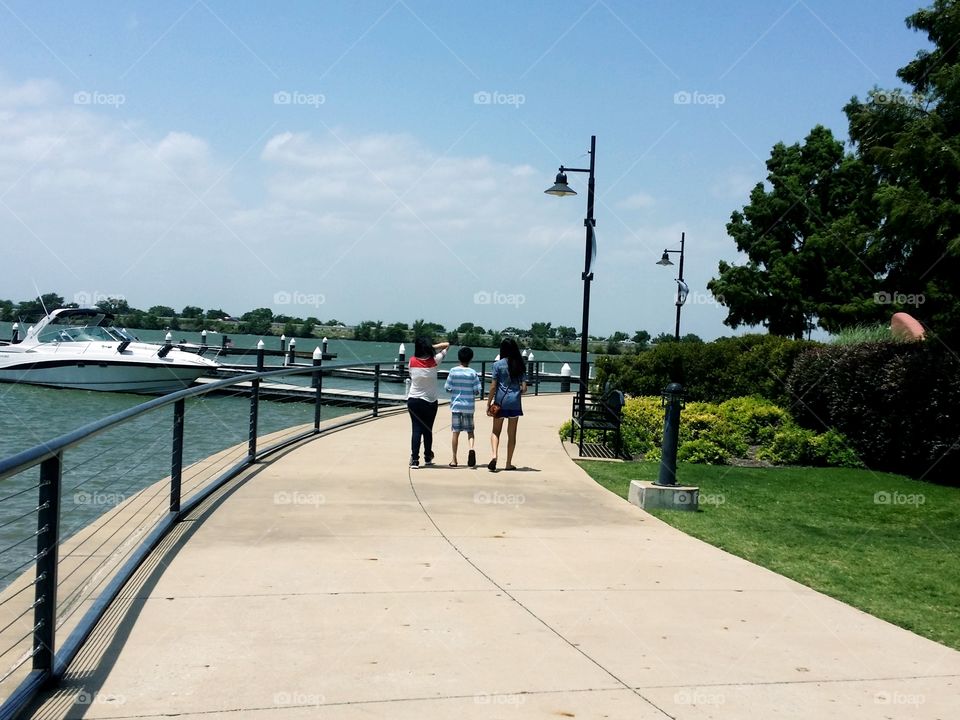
(422, 415)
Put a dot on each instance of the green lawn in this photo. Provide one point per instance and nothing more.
(883, 543)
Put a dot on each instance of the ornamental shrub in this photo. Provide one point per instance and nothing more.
(713, 434)
(702, 451)
(898, 404)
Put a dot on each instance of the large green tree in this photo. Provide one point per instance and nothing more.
(806, 234)
(911, 141)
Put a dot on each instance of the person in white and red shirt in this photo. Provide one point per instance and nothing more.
(423, 399)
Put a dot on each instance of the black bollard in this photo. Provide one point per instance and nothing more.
(15, 337)
(673, 401)
(293, 351)
(283, 343)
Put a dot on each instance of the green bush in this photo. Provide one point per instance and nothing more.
(712, 434)
(702, 451)
(895, 403)
(715, 371)
(757, 419)
(832, 449)
(790, 446)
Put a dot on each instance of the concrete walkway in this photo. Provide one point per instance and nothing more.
(332, 582)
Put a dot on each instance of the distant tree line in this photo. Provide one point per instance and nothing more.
(263, 321)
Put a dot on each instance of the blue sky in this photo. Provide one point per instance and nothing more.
(337, 159)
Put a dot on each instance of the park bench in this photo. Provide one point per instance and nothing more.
(599, 412)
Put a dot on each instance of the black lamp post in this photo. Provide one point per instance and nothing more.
(561, 189)
(682, 288)
(673, 393)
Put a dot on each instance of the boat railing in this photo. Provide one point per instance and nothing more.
(58, 576)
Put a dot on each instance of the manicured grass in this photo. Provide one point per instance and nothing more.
(884, 543)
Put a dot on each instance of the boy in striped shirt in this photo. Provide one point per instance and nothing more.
(464, 385)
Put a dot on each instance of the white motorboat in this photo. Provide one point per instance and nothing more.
(79, 348)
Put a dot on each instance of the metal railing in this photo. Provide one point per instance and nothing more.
(88, 568)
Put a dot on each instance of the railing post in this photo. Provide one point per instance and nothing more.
(376, 390)
(483, 379)
(317, 381)
(48, 546)
(255, 406)
(176, 459)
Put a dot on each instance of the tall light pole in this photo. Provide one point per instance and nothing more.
(561, 189)
(682, 288)
(673, 393)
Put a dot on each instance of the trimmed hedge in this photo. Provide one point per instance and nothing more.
(897, 404)
(728, 367)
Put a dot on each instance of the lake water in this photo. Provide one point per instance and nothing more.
(121, 462)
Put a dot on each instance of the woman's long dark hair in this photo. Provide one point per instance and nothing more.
(510, 351)
(423, 348)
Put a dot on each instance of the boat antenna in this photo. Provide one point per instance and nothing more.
(40, 298)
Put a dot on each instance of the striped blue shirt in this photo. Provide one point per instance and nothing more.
(464, 384)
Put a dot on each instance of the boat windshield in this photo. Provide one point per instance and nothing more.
(73, 333)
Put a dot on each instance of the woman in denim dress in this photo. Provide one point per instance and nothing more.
(508, 384)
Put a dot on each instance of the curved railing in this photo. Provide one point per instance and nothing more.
(34, 606)
(59, 574)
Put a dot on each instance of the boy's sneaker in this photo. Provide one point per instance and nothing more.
(428, 459)
(471, 459)
(414, 463)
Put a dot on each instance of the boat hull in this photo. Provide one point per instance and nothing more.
(132, 377)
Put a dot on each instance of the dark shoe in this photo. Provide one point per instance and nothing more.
(414, 463)
(428, 460)
(492, 465)
(471, 459)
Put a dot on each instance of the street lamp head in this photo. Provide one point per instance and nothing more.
(665, 260)
(560, 187)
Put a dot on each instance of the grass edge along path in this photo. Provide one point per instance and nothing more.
(884, 543)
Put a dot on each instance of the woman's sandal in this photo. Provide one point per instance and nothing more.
(510, 467)
(492, 465)
(452, 465)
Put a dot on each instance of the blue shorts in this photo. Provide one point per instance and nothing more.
(461, 422)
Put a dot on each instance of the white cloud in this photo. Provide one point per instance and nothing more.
(381, 225)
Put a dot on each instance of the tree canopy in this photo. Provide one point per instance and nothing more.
(837, 238)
